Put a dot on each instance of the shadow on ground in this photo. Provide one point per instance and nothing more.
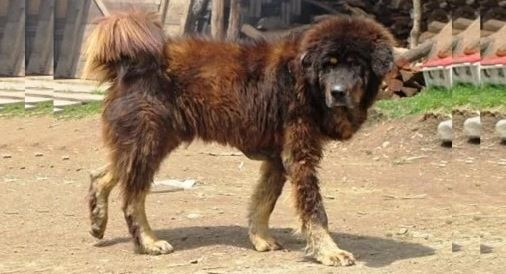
(373, 251)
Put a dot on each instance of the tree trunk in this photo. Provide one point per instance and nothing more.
(415, 31)
(234, 20)
(217, 19)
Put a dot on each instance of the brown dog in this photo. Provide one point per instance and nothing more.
(278, 102)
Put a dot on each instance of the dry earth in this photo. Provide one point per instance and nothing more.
(395, 198)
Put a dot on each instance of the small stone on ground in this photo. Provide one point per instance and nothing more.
(445, 131)
(472, 127)
(500, 127)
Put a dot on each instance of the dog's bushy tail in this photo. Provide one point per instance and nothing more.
(133, 40)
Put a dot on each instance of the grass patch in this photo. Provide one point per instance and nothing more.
(444, 101)
(10, 110)
(43, 108)
(80, 111)
(19, 110)
(99, 91)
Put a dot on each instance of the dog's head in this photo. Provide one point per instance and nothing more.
(344, 59)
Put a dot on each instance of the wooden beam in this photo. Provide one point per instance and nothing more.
(101, 6)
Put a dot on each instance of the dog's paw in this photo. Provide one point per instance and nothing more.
(97, 231)
(156, 248)
(335, 257)
(98, 217)
(263, 244)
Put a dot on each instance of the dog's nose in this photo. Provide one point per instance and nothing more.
(338, 91)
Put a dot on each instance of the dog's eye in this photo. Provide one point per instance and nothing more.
(333, 61)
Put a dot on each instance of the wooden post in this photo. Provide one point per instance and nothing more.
(415, 31)
(234, 20)
(217, 19)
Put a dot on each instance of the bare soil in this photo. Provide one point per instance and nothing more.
(395, 198)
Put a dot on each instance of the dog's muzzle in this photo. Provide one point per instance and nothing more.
(338, 97)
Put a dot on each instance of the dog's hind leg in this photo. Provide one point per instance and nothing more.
(262, 203)
(102, 182)
(135, 163)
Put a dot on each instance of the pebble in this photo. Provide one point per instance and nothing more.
(193, 216)
(500, 127)
(445, 131)
(39, 154)
(402, 231)
(64, 158)
(6, 156)
(472, 127)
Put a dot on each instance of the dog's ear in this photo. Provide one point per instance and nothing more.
(382, 59)
(305, 60)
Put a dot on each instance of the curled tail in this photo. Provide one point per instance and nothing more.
(133, 40)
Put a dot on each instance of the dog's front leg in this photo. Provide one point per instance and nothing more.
(301, 155)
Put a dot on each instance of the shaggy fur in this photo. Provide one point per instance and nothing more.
(271, 100)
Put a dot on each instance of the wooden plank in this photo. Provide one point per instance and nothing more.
(409, 91)
(406, 75)
(101, 6)
(493, 25)
(395, 85)
(163, 10)
(461, 23)
(435, 26)
(176, 19)
(72, 39)
(425, 36)
(41, 58)
(12, 46)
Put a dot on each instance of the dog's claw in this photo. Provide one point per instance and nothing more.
(335, 258)
(263, 244)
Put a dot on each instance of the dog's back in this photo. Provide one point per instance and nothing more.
(229, 93)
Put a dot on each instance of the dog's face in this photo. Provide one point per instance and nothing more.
(344, 67)
(342, 80)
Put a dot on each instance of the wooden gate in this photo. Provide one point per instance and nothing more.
(76, 19)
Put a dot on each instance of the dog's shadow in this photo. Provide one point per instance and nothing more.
(373, 251)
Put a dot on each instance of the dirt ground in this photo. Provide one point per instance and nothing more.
(395, 198)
